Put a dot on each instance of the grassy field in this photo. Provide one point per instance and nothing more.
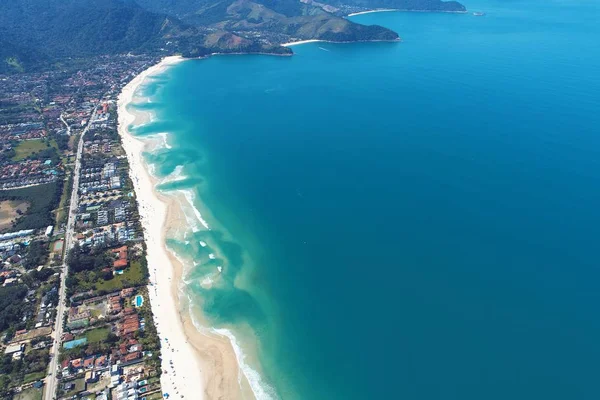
(8, 212)
(97, 335)
(79, 386)
(26, 147)
(29, 394)
(35, 376)
(132, 275)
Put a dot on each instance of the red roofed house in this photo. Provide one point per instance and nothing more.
(101, 362)
(133, 356)
(122, 260)
(88, 363)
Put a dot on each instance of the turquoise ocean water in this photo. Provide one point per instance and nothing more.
(415, 220)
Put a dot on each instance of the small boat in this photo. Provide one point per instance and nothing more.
(478, 14)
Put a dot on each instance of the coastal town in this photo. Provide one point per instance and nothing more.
(75, 313)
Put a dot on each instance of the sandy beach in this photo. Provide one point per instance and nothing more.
(372, 11)
(195, 365)
(301, 42)
(400, 10)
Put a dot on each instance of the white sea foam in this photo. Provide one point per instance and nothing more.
(261, 390)
(190, 196)
(211, 256)
(175, 176)
(203, 244)
(151, 169)
(164, 136)
(192, 222)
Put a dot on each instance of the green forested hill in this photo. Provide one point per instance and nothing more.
(40, 31)
(37, 32)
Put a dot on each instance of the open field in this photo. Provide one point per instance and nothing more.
(29, 394)
(9, 211)
(97, 335)
(35, 376)
(26, 147)
(132, 275)
(79, 387)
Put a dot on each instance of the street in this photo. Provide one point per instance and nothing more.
(51, 379)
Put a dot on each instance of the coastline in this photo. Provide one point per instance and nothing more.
(401, 10)
(372, 11)
(299, 42)
(289, 44)
(196, 365)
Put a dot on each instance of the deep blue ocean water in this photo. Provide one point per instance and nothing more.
(415, 220)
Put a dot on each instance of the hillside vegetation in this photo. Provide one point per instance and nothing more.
(36, 33)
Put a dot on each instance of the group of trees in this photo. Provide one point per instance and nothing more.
(12, 372)
(37, 254)
(43, 199)
(49, 153)
(62, 141)
(11, 305)
(89, 260)
(86, 266)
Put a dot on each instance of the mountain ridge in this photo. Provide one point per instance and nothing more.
(36, 33)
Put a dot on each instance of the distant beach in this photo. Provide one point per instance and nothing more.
(289, 44)
(195, 365)
(372, 11)
(401, 10)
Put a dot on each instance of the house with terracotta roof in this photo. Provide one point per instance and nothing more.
(77, 363)
(122, 260)
(133, 356)
(88, 363)
(115, 304)
(101, 362)
(128, 311)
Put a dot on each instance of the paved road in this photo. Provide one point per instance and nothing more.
(67, 125)
(51, 379)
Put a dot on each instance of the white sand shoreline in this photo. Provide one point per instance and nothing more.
(289, 44)
(400, 10)
(183, 377)
(372, 11)
(200, 363)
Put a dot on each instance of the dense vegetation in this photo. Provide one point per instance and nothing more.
(11, 310)
(35, 33)
(37, 254)
(43, 199)
(274, 17)
(80, 260)
(30, 368)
